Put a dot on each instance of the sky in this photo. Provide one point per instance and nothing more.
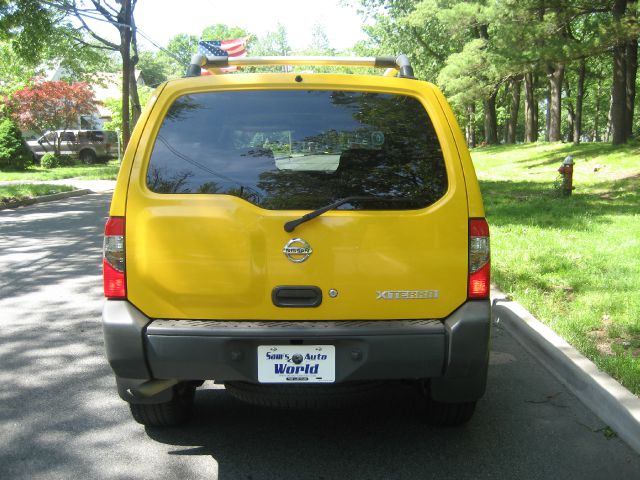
(162, 19)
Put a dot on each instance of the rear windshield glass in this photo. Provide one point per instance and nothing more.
(300, 149)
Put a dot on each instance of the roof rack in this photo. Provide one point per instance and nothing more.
(398, 64)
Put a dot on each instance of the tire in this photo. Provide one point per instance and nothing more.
(167, 414)
(304, 397)
(442, 414)
(88, 156)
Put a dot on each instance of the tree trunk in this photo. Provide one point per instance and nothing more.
(619, 84)
(596, 121)
(555, 73)
(469, 129)
(607, 131)
(530, 120)
(512, 124)
(136, 109)
(577, 123)
(572, 118)
(536, 111)
(547, 116)
(125, 53)
(631, 52)
(490, 121)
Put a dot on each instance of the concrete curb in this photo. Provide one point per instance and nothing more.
(614, 404)
(45, 198)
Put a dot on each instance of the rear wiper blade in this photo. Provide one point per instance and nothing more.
(291, 225)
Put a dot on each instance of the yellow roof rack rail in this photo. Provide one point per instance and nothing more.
(398, 64)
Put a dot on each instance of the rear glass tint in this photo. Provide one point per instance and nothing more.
(300, 149)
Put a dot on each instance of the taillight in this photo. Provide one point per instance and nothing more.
(113, 262)
(479, 259)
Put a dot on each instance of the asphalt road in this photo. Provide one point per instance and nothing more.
(60, 416)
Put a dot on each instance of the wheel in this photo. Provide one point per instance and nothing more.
(88, 156)
(314, 397)
(444, 414)
(167, 414)
(441, 414)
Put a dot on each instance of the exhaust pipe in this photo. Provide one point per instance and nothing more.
(152, 387)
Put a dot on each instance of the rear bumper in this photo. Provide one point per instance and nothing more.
(453, 352)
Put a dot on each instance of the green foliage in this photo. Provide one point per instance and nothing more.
(473, 47)
(154, 67)
(220, 31)
(65, 160)
(78, 59)
(80, 171)
(470, 75)
(14, 193)
(14, 152)
(272, 43)
(180, 50)
(28, 25)
(14, 73)
(115, 106)
(50, 160)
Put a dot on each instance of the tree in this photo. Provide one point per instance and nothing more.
(320, 44)
(14, 153)
(54, 105)
(220, 31)
(115, 104)
(28, 25)
(118, 13)
(180, 49)
(154, 68)
(556, 47)
(273, 43)
(625, 66)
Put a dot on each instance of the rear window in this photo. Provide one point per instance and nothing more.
(300, 149)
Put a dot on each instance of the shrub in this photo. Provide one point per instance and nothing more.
(50, 160)
(14, 152)
(66, 160)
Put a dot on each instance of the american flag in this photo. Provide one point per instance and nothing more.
(224, 48)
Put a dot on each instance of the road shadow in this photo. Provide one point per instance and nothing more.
(57, 388)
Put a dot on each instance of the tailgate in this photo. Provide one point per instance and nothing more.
(192, 259)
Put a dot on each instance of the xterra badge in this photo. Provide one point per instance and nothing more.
(407, 295)
(297, 250)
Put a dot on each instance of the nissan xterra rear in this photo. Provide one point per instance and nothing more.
(297, 237)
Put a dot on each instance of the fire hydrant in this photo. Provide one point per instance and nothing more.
(566, 170)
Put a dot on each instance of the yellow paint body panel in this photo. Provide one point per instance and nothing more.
(219, 257)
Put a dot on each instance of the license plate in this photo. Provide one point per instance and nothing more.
(296, 363)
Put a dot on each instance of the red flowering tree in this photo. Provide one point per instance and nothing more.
(51, 105)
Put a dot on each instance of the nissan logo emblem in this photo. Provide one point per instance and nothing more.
(297, 250)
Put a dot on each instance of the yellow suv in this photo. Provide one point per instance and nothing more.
(299, 237)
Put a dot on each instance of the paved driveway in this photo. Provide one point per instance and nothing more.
(60, 416)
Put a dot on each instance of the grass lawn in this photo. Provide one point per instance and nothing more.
(107, 171)
(10, 193)
(574, 262)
